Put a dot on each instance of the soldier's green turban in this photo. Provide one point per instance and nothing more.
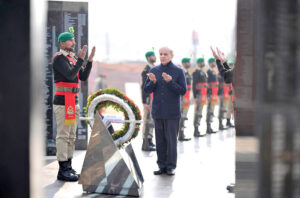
(211, 60)
(200, 60)
(150, 53)
(185, 60)
(65, 36)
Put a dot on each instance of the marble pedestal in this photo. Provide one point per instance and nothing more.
(108, 170)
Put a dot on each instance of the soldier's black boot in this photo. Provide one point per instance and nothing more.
(197, 133)
(229, 124)
(146, 146)
(209, 130)
(64, 174)
(150, 142)
(221, 127)
(71, 169)
(182, 138)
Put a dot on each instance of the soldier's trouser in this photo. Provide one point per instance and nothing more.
(229, 109)
(210, 110)
(198, 114)
(147, 130)
(184, 112)
(223, 107)
(66, 135)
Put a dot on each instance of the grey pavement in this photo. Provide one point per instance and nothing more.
(205, 167)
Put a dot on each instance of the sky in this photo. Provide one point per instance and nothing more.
(123, 30)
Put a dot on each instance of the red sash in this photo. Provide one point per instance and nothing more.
(214, 96)
(151, 99)
(226, 90)
(187, 96)
(203, 95)
(70, 110)
(232, 90)
(203, 92)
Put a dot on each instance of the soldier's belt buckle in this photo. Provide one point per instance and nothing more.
(74, 89)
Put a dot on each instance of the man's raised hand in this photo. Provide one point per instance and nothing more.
(221, 56)
(214, 53)
(92, 54)
(152, 77)
(166, 77)
(82, 52)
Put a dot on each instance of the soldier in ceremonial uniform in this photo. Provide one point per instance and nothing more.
(226, 72)
(200, 93)
(229, 113)
(185, 102)
(147, 100)
(212, 94)
(68, 70)
(224, 98)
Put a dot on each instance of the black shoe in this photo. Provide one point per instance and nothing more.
(199, 135)
(151, 143)
(229, 124)
(160, 172)
(64, 174)
(149, 148)
(209, 130)
(71, 169)
(146, 146)
(221, 127)
(184, 139)
(171, 172)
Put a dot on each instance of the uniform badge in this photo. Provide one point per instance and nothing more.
(70, 110)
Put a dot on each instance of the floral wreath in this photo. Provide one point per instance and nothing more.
(114, 98)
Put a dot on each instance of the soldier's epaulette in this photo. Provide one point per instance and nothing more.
(58, 53)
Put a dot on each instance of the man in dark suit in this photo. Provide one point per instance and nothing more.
(167, 82)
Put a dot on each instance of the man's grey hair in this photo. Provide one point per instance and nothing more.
(171, 51)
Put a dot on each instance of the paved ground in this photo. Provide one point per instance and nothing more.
(205, 167)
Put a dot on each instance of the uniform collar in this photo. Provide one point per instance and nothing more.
(65, 53)
(150, 65)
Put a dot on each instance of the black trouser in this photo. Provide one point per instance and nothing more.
(166, 142)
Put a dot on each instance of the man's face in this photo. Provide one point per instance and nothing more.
(165, 56)
(186, 65)
(212, 65)
(201, 64)
(68, 45)
(152, 59)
